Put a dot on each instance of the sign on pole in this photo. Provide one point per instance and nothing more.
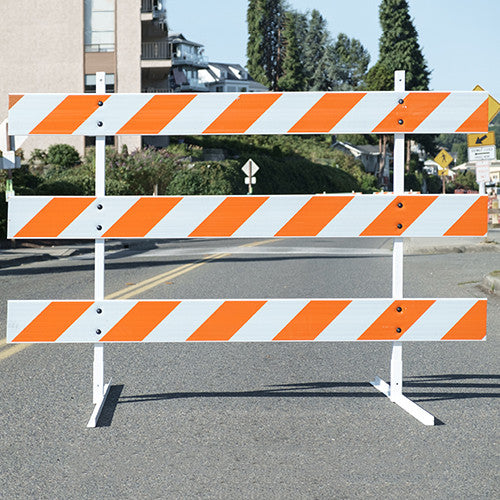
(477, 140)
(250, 168)
(482, 153)
(10, 161)
(493, 104)
(482, 171)
(443, 159)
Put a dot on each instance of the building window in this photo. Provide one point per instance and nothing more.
(218, 88)
(90, 83)
(99, 25)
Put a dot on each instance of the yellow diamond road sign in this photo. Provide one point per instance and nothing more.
(443, 158)
(477, 140)
(444, 172)
(493, 105)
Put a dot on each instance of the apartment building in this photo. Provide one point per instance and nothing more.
(55, 46)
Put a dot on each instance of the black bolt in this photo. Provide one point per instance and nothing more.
(398, 330)
(98, 310)
(98, 331)
(400, 226)
(400, 205)
(99, 207)
(399, 309)
(401, 101)
(99, 124)
(99, 227)
(100, 103)
(400, 121)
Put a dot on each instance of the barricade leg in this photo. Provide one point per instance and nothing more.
(100, 391)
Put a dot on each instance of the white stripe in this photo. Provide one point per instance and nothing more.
(84, 329)
(185, 217)
(435, 323)
(271, 216)
(285, 113)
(356, 216)
(116, 111)
(452, 112)
(183, 321)
(113, 207)
(30, 110)
(21, 209)
(199, 114)
(368, 113)
(440, 215)
(352, 322)
(269, 320)
(20, 313)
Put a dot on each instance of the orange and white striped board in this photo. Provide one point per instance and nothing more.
(247, 216)
(246, 320)
(249, 113)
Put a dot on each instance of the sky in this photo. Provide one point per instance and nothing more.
(460, 39)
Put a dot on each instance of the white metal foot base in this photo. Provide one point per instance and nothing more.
(409, 406)
(98, 406)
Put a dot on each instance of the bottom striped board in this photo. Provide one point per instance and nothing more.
(246, 320)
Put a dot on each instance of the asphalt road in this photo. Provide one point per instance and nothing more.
(250, 420)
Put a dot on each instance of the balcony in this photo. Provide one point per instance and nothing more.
(155, 55)
(186, 59)
(153, 10)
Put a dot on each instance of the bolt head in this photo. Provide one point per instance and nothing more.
(100, 103)
(98, 331)
(99, 227)
(98, 310)
(398, 330)
(99, 124)
(400, 121)
(400, 226)
(400, 205)
(99, 207)
(399, 309)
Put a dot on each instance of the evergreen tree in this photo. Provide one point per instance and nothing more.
(316, 59)
(399, 49)
(293, 77)
(350, 63)
(265, 41)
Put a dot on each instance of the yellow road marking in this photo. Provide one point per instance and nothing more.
(138, 288)
(13, 349)
(162, 277)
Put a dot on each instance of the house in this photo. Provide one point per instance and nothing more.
(221, 77)
(369, 154)
(188, 60)
(55, 46)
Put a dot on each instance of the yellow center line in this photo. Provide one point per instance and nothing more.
(133, 290)
(13, 349)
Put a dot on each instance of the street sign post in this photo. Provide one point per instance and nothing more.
(250, 168)
(443, 159)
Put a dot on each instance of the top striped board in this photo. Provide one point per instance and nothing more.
(249, 113)
(247, 216)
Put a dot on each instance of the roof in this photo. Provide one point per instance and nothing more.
(233, 71)
(180, 38)
(365, 149)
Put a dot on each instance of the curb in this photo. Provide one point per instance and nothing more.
(492, 282)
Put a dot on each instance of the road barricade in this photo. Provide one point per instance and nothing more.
(396, 215)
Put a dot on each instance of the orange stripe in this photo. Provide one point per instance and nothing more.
(312, 320)
(386, 325)
(472, 325)
(327, 112)
(474, 222)
(156, 114)
(314, 216)
(141, 217)
(386, 224)
(54, 217)
(226, 320)
(242, 113)
(52, 322)
(414, 110)
(70, 114)
(477, 121)
(13, 98)
(228, 216)
(140, 321)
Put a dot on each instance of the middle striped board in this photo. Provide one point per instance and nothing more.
(246, 320)
(247, 216)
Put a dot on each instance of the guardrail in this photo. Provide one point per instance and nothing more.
(155, 50)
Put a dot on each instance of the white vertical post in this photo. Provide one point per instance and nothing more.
(100, 390)
(396, 383)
